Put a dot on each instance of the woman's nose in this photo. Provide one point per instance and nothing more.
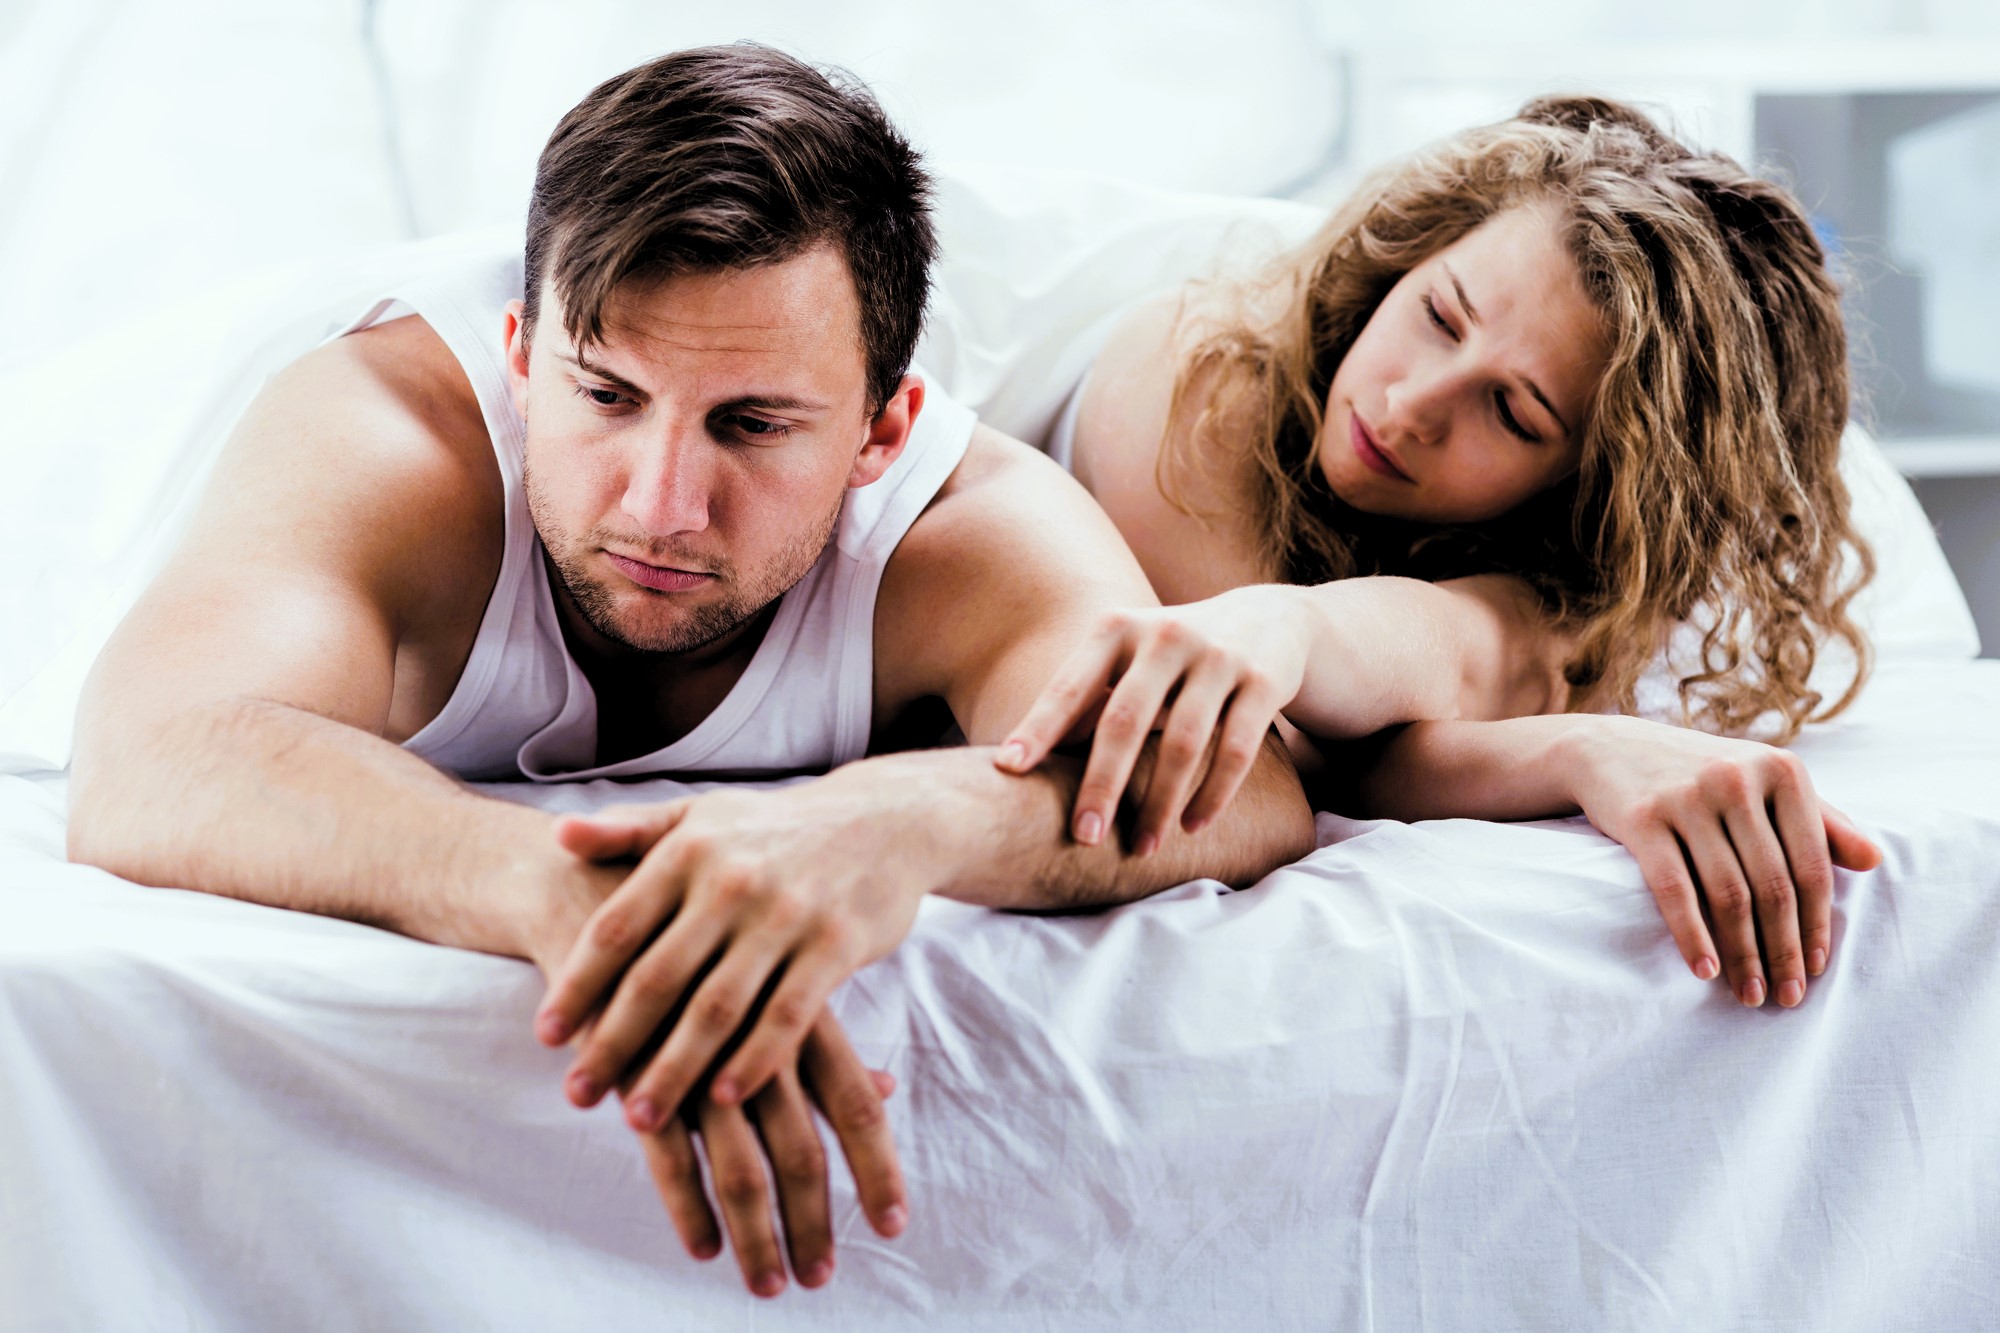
(1420, 404)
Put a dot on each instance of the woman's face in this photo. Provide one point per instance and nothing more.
(1466, 392)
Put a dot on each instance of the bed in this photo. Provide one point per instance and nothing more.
(1441, 1075)
(1448, 1074)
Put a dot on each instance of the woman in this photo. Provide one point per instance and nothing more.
(1559, 387)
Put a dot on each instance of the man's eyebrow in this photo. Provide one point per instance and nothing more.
(1473, 315)
(771, 402)
(610, 377)
(767, 402)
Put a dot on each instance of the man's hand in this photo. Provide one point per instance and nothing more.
(776, 1125)
(736, 893)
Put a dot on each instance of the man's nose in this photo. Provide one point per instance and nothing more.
(669, 487)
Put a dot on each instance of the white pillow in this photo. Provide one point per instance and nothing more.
(1034, 263)
(1241, 97)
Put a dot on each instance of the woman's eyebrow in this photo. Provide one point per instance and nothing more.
(1459, 287)
(1473, 315)
(1543, 399)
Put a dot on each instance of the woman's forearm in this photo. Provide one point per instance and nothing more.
(1389, 650)
(1520, 768)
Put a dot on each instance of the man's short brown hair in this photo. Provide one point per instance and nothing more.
(726, 157)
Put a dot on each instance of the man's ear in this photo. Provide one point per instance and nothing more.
(517, 356)
(888, 432)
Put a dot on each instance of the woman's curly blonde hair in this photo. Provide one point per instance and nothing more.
(1709, 489)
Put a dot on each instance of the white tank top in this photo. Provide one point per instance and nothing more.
(523, 708)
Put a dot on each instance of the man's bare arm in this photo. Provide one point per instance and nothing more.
(231, 735)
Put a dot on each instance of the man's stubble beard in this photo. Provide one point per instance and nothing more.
(701, 625)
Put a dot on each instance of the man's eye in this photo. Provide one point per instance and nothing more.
(599, 397)
(757, 428)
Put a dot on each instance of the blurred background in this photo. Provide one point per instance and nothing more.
(154, 152)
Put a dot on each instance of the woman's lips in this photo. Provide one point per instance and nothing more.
(1369, 453)
(655, 577)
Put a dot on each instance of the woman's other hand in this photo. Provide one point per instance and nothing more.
(1210, 676)
(1733, 823)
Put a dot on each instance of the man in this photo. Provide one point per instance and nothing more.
(660, 498)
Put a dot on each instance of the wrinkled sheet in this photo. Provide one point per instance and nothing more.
(1441, 1075)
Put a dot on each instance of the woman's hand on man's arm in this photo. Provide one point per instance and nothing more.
(1209, 676)
(1338, 660)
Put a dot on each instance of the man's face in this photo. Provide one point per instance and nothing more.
(687, 469)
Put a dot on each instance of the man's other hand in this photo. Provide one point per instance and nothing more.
(745, 911)
(776, 1127)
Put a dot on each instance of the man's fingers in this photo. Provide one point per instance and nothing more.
(743, 1193)
(618, 831)
(849, 1095)
(1665, 867)
(1852, 850)
(648, 992)
(798, 1165)
(773, 1044)
(1729, 905)
(670, 1160)
(885, 1083)
(715, 1013)
(1776, 898)
(1076, 688)
(614, 935)
(1243, 732)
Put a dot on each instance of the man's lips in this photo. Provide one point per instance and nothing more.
(1371, 453)
(657, 578)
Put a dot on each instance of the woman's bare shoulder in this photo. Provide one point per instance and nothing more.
(1203, 539)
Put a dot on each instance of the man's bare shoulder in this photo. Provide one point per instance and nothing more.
(401, 381)
(1008, 499)
(342, 552)
(375, 444)
(1011, 546)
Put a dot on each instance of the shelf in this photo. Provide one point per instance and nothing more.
(1945, 456)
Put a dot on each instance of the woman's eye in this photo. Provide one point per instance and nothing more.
(1507, 420)
(1431, 309)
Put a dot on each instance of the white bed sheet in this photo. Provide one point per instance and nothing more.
(1441, 1075)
